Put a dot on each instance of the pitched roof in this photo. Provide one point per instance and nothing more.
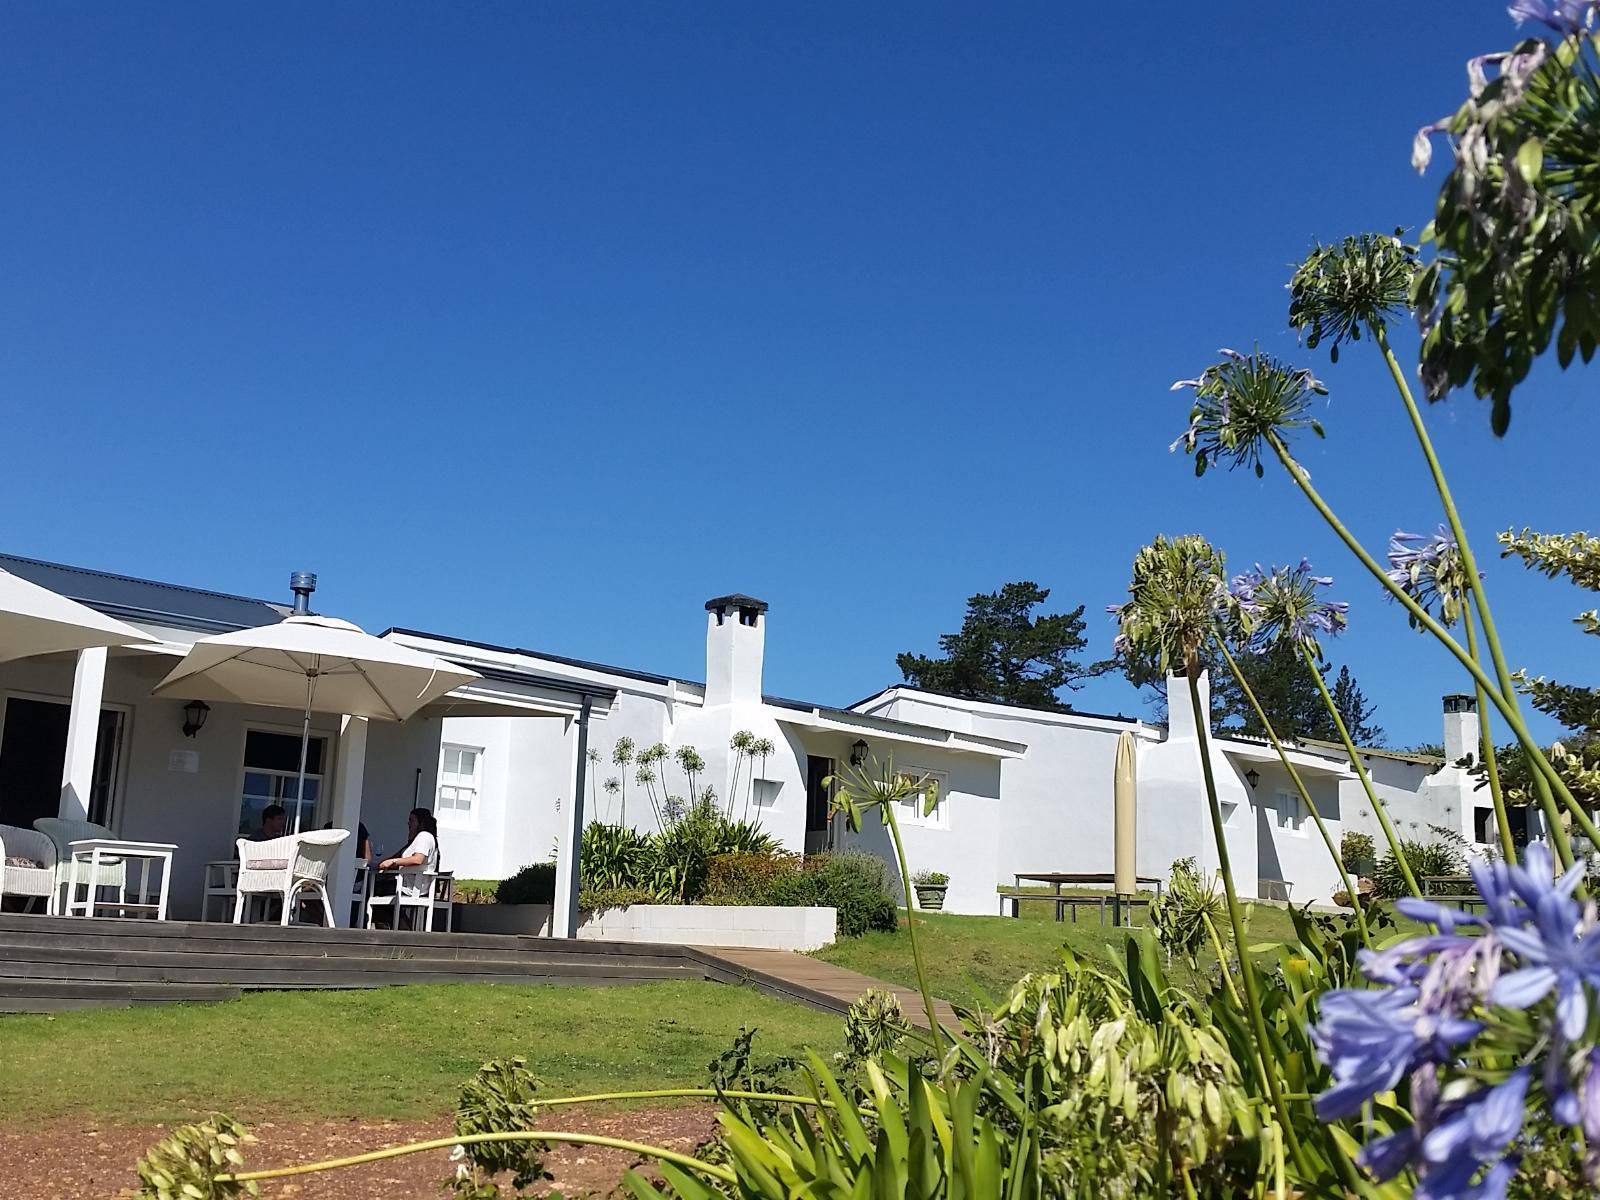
(132, 599)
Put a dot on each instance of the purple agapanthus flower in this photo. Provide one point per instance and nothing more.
(1532, 941)
(1283, 603)
(1560, 16)
(1372, 1039)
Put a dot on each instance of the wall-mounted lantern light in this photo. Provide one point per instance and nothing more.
(194, 717)
(1252, 777)
(858, 753)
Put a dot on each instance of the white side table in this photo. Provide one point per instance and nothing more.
(89, 854)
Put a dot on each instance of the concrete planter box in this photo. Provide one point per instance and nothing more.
(759, 926)
(532, 920)
(930, 896)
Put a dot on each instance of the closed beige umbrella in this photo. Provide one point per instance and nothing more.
(1125, 837)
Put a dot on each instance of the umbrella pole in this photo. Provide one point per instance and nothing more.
(305, 742)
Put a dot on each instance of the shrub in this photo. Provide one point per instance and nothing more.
(1426, 858)
(749, 878)
(600, 899)
(852, 881)
(534, 884)
(612, 856)
(930, 878)
(1356, 852)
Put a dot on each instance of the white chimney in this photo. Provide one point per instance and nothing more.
(736, 635)
(1461, 730)
(1180, 708)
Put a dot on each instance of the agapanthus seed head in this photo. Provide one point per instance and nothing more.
(1177, 598)
(1359, 284)
(1241, 404)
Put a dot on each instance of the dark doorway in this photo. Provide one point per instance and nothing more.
(33, 751)
(1486, 831)
(818, 797)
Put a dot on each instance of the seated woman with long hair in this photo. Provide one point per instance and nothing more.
(421, 854)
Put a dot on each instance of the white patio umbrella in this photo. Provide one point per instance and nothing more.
(307, 662)
(35, 620)
(1125, 837)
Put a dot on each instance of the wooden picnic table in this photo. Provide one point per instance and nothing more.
(1452, 889)
(1057, 880)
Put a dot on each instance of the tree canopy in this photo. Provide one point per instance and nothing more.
(1005, 654)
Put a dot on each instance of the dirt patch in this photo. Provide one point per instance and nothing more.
(95, 1162)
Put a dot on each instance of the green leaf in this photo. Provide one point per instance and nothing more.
(1530, 159)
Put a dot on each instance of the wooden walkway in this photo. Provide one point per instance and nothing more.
(811, 981)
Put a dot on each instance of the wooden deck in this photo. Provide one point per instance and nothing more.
(817, 983)
(48, 964)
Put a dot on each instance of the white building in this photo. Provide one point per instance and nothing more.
(503, 760)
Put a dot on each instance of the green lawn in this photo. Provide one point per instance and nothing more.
(391, 1052)
(971, 957)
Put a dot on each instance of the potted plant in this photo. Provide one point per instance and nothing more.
(930, 887)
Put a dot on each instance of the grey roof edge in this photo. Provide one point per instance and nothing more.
(582, 664)
(553, 682)
(1021, 708)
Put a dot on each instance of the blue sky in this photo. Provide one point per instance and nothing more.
(541, 323)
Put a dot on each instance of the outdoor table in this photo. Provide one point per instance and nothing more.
(1058, 879)
(93, 853)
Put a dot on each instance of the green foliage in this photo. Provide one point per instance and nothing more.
(928, 1141)
(1355, 710)
(927, 878)
(737, 1069)
(602, 899)
(1179, 916)
(185, 1164)
(612, 856)
(672, 865)
(1132, 1084)
(851, 881)
(1426, 858)
(1281, 680)
(534, 884)
(1356, 851)
(1005, 654)
(742, 877)
(1515, 227)
(500, 1098)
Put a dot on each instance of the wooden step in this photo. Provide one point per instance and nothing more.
(56, 995)
(265, 971)
(46, 947)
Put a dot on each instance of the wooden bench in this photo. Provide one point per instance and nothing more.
(1463, 900)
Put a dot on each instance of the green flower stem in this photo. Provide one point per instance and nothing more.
(1252, 995)
(725, 1174)
(887, 811)
(1222, 960)
(1305, 794)
(1502, 819)
(1474, 582)
(1361, 772)
(1536, 756)
(672, 1093)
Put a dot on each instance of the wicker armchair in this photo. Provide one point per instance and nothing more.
(286, 866)
(42, 882)
(112, 873)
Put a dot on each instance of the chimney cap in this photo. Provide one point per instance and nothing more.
(1460, 703)
(735, 600)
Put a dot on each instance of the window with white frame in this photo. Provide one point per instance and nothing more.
(272, 777)
(911, 811)
(460, 770)
(1291, 812)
